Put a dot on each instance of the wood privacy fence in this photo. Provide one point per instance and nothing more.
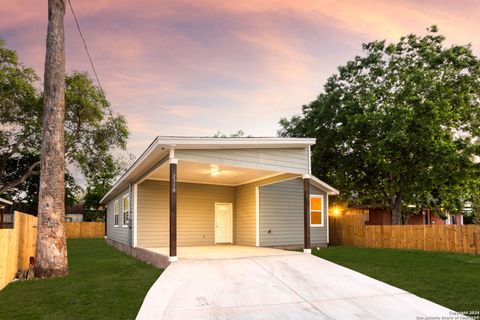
(349, 229)
(85, 229)
(17, 245)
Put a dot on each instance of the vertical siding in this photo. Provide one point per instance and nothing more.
(293, 160)
(195, 212)
(281, 215)
(120, 233)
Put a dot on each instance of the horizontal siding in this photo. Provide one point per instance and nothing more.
(294, 160)
(245, 217)
(319, 235)
(281, 215)
(195, 212)
(120, 233)
(246, 214)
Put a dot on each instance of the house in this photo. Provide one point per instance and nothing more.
(75, 213)
(6, 214)
(382, 216)
(198, 191)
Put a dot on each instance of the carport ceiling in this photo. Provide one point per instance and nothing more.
(197, 172)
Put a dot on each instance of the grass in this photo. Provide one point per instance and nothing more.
(103, 283)
(451, 280)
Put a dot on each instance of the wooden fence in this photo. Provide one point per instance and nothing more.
(17, 245)
(349, 229)
(85, 229)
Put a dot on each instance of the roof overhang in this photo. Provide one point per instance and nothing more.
(158, 151)
(331, 191)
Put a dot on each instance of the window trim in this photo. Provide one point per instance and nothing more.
(125, 225)
(116, 213)
(321, 211)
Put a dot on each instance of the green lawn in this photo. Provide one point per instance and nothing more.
(103, 283)
(451, 280)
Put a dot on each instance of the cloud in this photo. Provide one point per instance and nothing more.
(189, 67)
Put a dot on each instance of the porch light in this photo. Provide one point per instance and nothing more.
(215, 171)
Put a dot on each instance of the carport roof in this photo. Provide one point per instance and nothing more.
(160, 148)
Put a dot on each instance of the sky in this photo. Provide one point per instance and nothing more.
(197, 67)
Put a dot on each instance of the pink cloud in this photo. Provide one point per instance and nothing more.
(196, 67)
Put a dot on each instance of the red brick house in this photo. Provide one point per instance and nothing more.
(381, 216)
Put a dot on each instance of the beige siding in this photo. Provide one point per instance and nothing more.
(281, 215)
(120, 233)
(195, 215)
(245, 217)
(285, 160)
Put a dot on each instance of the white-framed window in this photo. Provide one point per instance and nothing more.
(316, 210)
(126, 210)
(116, 212)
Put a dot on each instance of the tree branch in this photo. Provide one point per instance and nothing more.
(30, 172)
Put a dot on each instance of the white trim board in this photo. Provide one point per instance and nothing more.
(135, 211)
(257, 216)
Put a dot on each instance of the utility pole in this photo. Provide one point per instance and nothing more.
(51, 255)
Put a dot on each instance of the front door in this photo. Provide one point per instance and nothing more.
(223, 223)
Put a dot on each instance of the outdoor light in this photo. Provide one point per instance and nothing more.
(215, 171)
(336, 211)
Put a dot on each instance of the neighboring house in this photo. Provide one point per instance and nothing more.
(186, 191)
(75, 213)
(382, 216)
(6, 214)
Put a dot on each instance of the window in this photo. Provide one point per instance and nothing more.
(316, 211)
(126, 210)
(116, 211)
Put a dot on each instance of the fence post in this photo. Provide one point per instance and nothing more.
(475, 240)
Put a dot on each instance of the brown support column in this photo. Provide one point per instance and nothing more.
(173, 210)
(306, 214)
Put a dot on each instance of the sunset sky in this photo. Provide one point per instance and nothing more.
(198, 67)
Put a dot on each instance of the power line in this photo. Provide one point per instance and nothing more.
(86, 48)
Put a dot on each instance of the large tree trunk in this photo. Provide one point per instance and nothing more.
(51, 256)
(396, 208)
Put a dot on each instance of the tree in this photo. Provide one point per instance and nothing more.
(238, 134)
(51, 253)
(100, 182)
(398, 125)
(20, 121)
(92, 133)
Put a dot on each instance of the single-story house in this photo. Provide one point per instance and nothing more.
(382, 216)
(198, 191)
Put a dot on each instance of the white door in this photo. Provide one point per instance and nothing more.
(223, 223)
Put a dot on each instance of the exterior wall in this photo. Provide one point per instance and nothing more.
(282, 160)
(246, 213)
(420, 219)
(195, 213)
(379, 216)
(74, 217)
(281, 215)
(120, 234)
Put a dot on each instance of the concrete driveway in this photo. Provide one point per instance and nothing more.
(280, 286)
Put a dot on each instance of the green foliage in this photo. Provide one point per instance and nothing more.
(94, 136)
(398, 125)
(238, 134)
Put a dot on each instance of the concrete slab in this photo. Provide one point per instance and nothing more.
(220, 251)
(280, 286)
